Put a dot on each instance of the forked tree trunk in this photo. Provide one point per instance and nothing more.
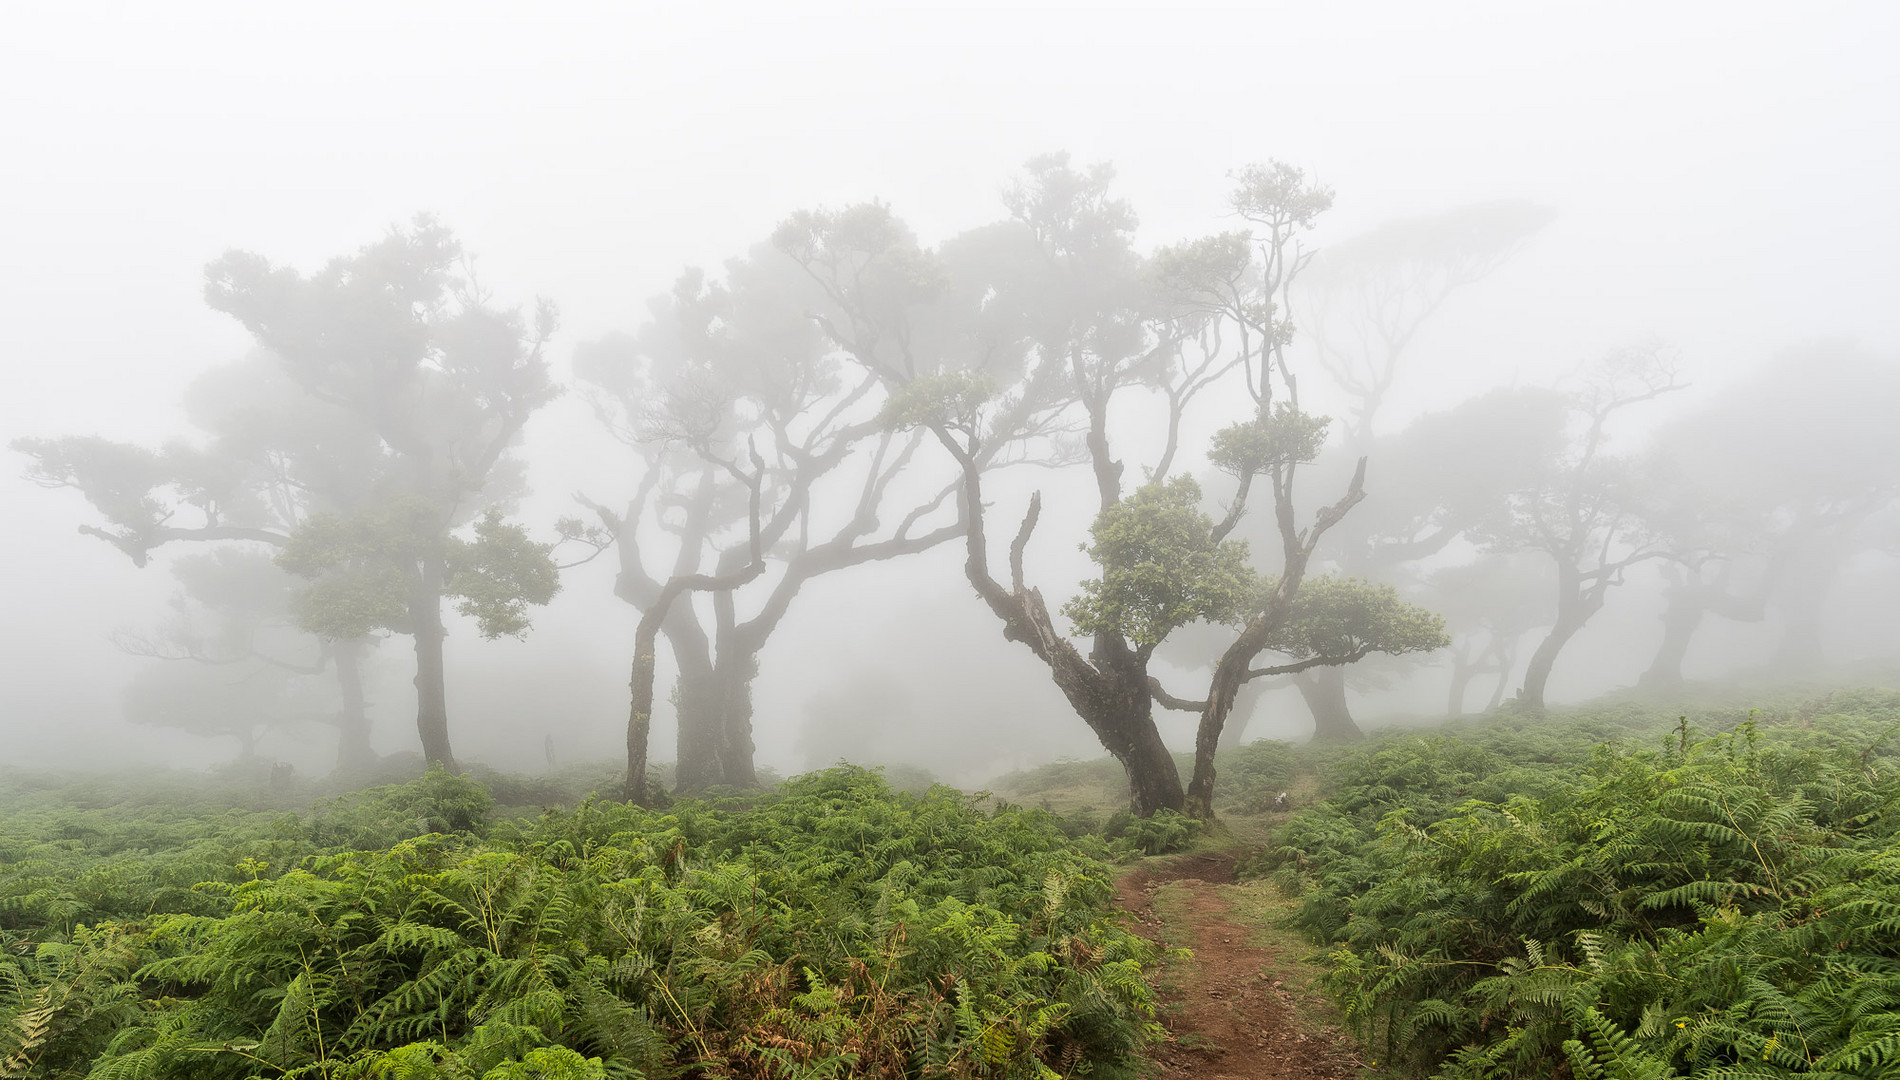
(691, 659)
(354, 754)
(1108, 690)
(689, 653)
(1232, 670)
(432, 709)
(1324, 690)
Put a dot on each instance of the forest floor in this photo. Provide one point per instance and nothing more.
(1246, 1005)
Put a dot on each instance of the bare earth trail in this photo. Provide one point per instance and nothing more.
(1227, 1010)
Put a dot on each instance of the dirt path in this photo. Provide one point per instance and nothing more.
(1228, 1011)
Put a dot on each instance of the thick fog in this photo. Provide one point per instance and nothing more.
(1647, 245)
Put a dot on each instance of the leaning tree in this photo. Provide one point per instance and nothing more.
(1104, 332)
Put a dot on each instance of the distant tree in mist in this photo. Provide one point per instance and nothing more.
(1363, 302)
(1731, 557)
(394, 395)
(1586, 509)
(1490, 603)
(1765, 492)
(1439, 478)
(1364, 299)
(400, 339)
(268, 457)
(736, 402)
(228, 660)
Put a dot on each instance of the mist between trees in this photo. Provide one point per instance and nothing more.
(1207, 419)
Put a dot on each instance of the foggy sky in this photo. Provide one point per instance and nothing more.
(1723, 173)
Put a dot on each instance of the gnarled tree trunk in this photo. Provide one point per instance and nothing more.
(1120, 710)
(736, 747)
(1576, 603)
(715, 725)
(1153, 781)
(1109, 689)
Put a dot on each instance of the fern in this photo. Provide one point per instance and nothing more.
(1722, 907)
(832, 928)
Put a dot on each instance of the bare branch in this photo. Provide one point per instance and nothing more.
(1308, 664)
(1161, 695)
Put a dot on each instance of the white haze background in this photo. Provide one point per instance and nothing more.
(1725, 175)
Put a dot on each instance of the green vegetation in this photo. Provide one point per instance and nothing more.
(1611, 897)
(1613, 894)
(831, 928)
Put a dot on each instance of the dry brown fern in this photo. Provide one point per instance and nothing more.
(34, 1025)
